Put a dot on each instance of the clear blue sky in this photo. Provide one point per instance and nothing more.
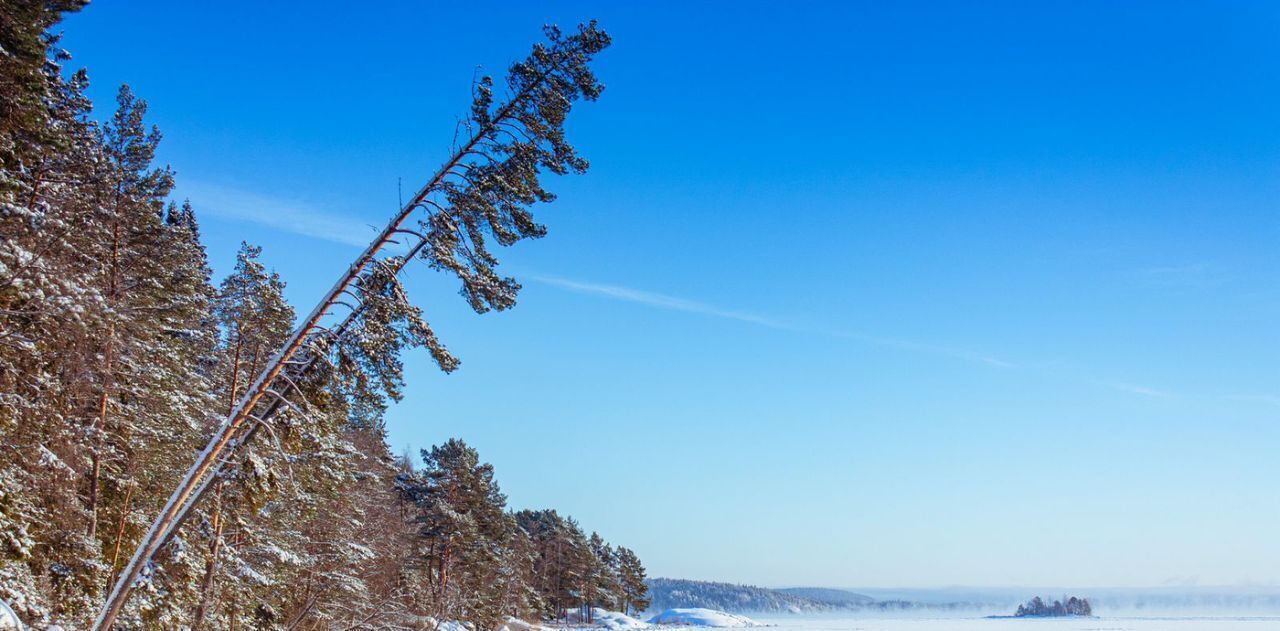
(868, 294)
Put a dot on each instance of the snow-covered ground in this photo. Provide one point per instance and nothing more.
(977, 623)
(516, 624)
(613, 621)
(698, 617)
(604, 619)
(674, 619)
(669, 620)
(617, 621)
(450, 625)
(600, 620)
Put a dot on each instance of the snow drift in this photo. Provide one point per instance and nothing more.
(516, 624)
(698, 617)
(605, 619)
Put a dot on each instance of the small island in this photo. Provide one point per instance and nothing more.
(1036, 608)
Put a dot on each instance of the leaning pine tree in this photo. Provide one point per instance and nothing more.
(480, 195)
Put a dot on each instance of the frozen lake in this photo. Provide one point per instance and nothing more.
(975, 623)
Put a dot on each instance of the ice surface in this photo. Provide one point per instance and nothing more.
(978, 623)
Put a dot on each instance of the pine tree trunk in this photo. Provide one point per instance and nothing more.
(124, 520)
(444, 572)
(99, 440)
(36, 183)
(100, 423)
(211, 565)
(235, 374)
(215, 546)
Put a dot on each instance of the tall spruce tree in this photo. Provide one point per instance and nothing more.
(253, 318)
(28, 80)
(49, 309)
(631, 574)
(152, 383)
(463, 534)
(604, 586)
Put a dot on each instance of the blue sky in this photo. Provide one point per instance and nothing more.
(857, 294)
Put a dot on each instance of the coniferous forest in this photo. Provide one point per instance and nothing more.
(1037, 608)
(121, 354)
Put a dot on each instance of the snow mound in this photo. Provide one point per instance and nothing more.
(617, 621)
(605, 619)
(452, 625)
(698, 617)
(516, 624)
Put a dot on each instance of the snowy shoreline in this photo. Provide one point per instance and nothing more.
(671, 619)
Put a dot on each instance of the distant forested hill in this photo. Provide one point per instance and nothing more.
(838, 597)
(667, 593)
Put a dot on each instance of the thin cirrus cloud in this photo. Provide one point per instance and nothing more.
(274, 212)
(933, 349)
(661, 301)
(1156, 393)
(300, 218)
(1268, 399)
(673, 303)
(295, 217)
(1200, 275)
(1140, 390)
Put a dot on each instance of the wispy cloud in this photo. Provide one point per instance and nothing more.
(301, 218)
(1269, 399)
(287, 215)
(673, 303)
(660, 301)
(1198, 275)
(934, 349)
(1142, 390)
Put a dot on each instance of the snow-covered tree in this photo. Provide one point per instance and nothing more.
(118, 358)
(463, 534)
(631, 574)
(603, 584)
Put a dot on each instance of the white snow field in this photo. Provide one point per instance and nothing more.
(449, 625)
(605, 619)
(704, 618)
(698, 617)
(516, 624)
(617, 621)
(976, 623)
(600, 618)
